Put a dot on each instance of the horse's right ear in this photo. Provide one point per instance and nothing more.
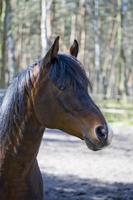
(51, 54)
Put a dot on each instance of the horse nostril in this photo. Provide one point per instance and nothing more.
(101, 133)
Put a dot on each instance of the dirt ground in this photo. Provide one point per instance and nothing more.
(73, 172)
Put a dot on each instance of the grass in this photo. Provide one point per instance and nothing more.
(114, 111)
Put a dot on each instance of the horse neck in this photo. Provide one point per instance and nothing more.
(21, 137)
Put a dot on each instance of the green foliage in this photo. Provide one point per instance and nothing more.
(117, 111)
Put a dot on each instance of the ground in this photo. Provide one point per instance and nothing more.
(73, 172)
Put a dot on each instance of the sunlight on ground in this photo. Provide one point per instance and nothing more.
(61, 154)
(71, 171)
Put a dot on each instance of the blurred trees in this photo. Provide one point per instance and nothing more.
(104, 30)
(8, 46)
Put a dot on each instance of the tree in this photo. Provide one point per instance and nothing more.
(8, 48)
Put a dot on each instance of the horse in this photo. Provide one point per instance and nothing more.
(51, 93)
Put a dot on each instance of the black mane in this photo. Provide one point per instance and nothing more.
(14, 103)
(67, 71)
(1, 99)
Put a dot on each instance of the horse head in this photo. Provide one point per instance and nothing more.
(62, 101)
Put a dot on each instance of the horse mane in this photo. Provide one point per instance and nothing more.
(1, 99)
(67, 71)
(14, 103)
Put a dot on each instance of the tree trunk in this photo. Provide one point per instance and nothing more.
(44, 40)
(74, 24)
(1, 9)
(97, 44)
(46, 24)
(8, 48)
(3, 60)
(82, 29)
(73, 28)
(123, 51)
(1, 6)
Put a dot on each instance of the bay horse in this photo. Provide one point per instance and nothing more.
(52, 93)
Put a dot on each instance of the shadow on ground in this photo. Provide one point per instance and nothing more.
(74, 188)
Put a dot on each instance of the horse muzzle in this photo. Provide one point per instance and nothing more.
(104, 138)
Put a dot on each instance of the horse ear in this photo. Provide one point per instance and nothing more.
(51, 54)
(74, 49)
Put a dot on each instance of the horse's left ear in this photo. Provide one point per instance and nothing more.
(74, 49)
(51, 54)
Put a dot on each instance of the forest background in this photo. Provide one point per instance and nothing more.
(103, 28)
